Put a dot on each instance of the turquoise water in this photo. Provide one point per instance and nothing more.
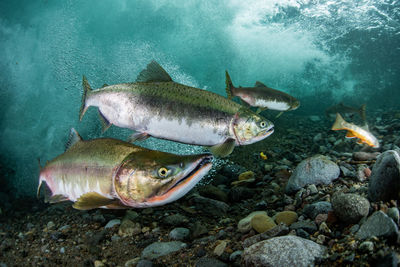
(321, 52)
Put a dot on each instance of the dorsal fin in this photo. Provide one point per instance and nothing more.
(74, 138)
(153, 73)
(259, 84)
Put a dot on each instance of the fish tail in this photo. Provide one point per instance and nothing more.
(86, 89)
(362, 112)
(229, 85)
(338, 125)
(40, 180)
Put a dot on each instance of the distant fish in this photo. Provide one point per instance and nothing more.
(343, 109)
(354, 131)
(262, 96)
(156, 106)
(112, 174)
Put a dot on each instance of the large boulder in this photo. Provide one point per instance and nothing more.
(283, 251)
(315, 170)
(385, 177)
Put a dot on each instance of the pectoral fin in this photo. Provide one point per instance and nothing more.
(56, 199)
(138, 136)
(224, 149)
(92, 200)
(259, 110)
(350, 135)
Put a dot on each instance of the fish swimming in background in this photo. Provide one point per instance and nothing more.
(156, 106)
(262, 97)
(354, 131)
(343, 109)
(109, 173)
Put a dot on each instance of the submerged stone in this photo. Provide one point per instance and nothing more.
(159, 249)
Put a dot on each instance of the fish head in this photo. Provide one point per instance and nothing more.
(249, 127)
(294, 104)
(153, 178)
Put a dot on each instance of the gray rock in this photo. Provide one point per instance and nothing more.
(213, 192)
(312, 210)
(210, 206)
(235, 255)
(198, 229)
(175, 220)
(283, 251)
(279, 230)
(207, 262)
(379, 225)
(158, 249)
(366, 246)
(365, 156)
(179, 233)
(129, 228)
(112, 223)
(315, 170)
(144, 263)
(350, 208)
(385, 177)
(131, 215)
(394, 214)
(308, 226)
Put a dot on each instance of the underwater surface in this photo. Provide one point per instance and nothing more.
(332, 56)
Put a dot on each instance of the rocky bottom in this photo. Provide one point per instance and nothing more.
(305, 196)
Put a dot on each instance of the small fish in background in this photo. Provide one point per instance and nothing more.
(157, 106)
(343, 109)
(262, 97)
(112, 174)
(354, 131)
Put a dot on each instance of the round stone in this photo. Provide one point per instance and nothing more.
(262, 223)
(287, 217)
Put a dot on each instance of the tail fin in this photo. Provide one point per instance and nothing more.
(86, 89)
(40, 180)
(229, 85)
(362, 112)
(338, 125)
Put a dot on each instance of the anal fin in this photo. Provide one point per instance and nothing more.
(350, 135)
(92, 200)
(138, 136)
(105, 124)
(223, 149)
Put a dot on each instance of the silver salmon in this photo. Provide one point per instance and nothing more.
(156, 106)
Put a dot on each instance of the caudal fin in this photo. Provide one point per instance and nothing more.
(338, 125)
(229, 85)
(86, 89)
(362, 112)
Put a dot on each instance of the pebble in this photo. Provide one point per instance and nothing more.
(350, 208)
(363, 172)
(365, 156)
(286, 217)
(321, 207)
(244, 224)
(235, 255)
(366, 246)
(246, 175)
(179, 233)
(262, 223)
(132, 262)
(315, 170)
(50, 225)
(112, 223)
(207, 262)
(175, 220)
(210, 206)
(321, 218)
(213, 192)
(62, 250)
(98, 263)
(131, 215)
(129, 228)
(394, 214)
(220, 248)
(379, 225)
(159, 249)
(308, 226)
(198, 229)
(144, 263)
(240, 193)
(279, 230)
(385, 177)
(283, 251)
(313, 189)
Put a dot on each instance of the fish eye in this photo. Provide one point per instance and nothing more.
(162, 172)
(263, 124)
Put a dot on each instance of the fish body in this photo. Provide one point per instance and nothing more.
(109, 173)
(354, 131)
(156, 106)
(262, 96)
(343, 109)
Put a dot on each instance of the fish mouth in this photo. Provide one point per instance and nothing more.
(200, 164)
